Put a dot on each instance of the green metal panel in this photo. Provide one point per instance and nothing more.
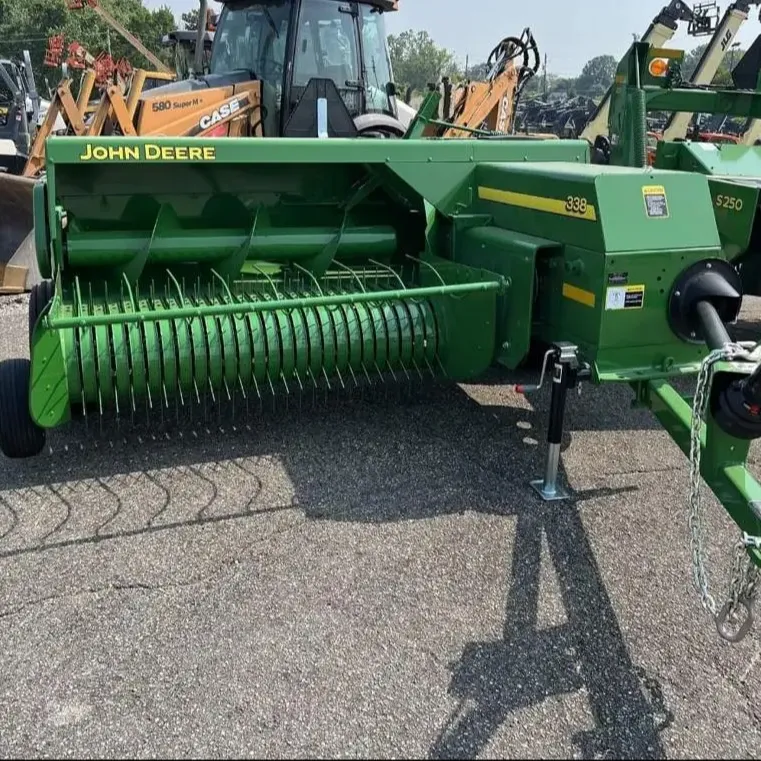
(539, 200)
(734, 178)
(631, 235)
(735, 206)
(580, 302)
(200, 152)
(514, 257)
(719, 160)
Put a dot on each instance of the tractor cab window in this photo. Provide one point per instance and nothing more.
(376, 60)
(252, 36)
(326, 45)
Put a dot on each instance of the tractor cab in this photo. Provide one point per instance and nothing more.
(288, 45)
(183, 44)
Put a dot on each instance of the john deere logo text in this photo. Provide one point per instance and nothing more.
(148, 152)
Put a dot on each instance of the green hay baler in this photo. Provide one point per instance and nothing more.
(188, 272)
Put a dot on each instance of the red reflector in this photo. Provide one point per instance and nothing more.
(220, 131)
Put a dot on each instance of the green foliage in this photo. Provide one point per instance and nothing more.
(597, 76)
(478, 71)
(190, 20)
(417, 60)
(29, 24)
(723, 75)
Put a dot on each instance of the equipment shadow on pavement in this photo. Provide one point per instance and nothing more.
(376, 461)
(381, 462)
(529, 665)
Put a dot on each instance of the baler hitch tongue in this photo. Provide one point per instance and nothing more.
(730, 403)
(715, 429)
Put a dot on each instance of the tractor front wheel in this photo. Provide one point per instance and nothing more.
(20, 436)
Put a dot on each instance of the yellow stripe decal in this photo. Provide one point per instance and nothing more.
(587, 298)
(665, 53)
(564, 207)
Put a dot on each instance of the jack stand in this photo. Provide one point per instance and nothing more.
(565, 374)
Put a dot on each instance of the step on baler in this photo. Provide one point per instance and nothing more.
(183, 273)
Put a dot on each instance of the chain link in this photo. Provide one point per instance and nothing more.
(746, 576)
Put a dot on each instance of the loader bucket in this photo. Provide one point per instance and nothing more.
(192, 271)
(16, 222)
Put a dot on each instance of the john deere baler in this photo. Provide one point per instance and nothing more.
(188, 272)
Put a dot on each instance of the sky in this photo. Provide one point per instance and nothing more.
(570, 33)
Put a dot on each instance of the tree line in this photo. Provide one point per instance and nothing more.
(416, 58)
(418, 61)
(27, 25)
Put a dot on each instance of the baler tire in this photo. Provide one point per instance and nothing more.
(39, 298)
(20, 436)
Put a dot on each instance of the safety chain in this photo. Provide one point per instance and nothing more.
(746, 576)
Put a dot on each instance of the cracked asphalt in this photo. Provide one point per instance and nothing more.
(365, 580)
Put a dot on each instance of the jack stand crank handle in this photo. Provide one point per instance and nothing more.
(565, 373)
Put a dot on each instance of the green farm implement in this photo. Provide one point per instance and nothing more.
(649, 80)
(184, 272)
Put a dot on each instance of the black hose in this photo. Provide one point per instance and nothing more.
(714, 333)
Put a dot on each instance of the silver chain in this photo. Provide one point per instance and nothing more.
(746, 576)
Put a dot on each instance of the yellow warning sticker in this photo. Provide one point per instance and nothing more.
(656, 204)
(625, 297)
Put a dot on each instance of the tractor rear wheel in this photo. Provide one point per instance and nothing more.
(20, 436)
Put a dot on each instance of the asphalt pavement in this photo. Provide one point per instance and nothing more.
(365, 579)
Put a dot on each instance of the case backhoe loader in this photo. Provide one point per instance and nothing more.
(300, 68)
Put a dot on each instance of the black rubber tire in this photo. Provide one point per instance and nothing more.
(382, 134)
(20, 436)
(39, 297)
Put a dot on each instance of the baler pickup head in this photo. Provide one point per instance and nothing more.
(192, 271)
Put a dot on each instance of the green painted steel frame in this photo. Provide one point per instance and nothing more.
(635, 93)
(723, 458)
(275, 150)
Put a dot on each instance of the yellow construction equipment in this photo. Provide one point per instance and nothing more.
(273, 64)
(490, 104)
